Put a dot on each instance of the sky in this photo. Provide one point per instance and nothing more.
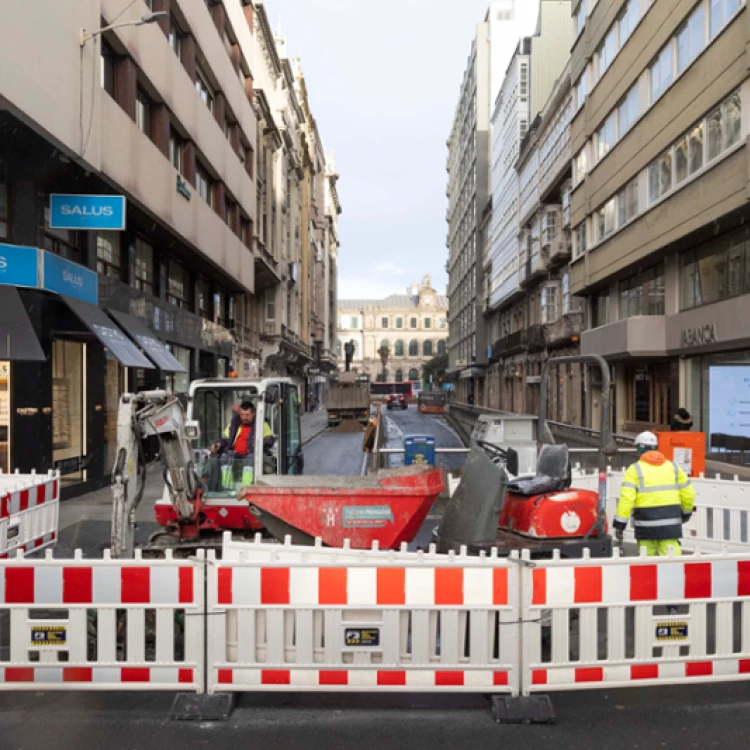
(384, 80)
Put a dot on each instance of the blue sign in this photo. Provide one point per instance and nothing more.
(419, 450)
(87, 212)
(19, 266)
(64, 277)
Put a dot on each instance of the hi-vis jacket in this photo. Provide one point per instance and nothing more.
(659, 495)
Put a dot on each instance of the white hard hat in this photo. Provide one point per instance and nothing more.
(647, 440)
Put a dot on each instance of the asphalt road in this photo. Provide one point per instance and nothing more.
(335, 454)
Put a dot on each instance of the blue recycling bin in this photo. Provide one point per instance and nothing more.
(419, 450)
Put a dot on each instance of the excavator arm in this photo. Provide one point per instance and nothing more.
(141, 415)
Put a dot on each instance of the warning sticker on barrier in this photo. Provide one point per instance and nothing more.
(13, 532)
(362, 636)
(49, 635)
(672, 631)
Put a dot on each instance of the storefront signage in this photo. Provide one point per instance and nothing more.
(27, 411)
(62, 276)
(19, 266)
(182, 188)
(87, 212)
(700, 336)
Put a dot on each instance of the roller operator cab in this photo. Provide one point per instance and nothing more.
(276, 449)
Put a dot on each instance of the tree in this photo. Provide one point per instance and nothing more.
(436, 368)
(384, 353)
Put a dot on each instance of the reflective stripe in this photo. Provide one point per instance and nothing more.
(684, 485)
(639, 472)
(670, 510)
(660, 488)
(676, 474)
(620, 519)
(656, 522)
(630, 485)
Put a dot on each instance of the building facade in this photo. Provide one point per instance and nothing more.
(659, 205)
(166, 116)
(411, 327)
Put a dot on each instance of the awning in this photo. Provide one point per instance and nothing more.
(18, 342)
(108, 333)
(154, 349)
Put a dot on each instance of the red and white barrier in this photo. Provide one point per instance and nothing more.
(29, 511)
(103, 624)
(385, 623)
(627, 621)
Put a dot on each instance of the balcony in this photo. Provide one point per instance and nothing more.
(534, 337)
(248, 339)
(564, 330)
(289, 337)
(267, 273)
(558, 250)
(511, 344)
(270, 330)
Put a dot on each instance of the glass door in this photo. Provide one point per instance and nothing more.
(68, 410)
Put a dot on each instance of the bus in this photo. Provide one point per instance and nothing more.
(432, 402)
(385, 389)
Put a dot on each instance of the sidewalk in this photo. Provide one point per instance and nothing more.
(313, 423)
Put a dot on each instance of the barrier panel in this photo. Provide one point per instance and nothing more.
(620, 622)
(29, 511)
(722, 511)
(367, 621)
(101, 624)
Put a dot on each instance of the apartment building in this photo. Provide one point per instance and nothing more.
(411, 327)
(659, 205)
(158, 122)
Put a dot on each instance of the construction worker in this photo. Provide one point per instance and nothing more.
(659, 495)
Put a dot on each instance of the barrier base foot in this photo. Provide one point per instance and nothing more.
(206, 707)
(523, 709)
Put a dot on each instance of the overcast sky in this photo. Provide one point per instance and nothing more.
(384, 80)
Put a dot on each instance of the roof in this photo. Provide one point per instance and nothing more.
(393, 302)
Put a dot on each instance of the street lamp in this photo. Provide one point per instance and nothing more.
(148, 18)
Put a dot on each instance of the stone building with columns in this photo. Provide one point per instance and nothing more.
(412, 326)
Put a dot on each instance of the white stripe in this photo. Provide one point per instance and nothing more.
(48, 585)
(560, 585)
(15, 503)
(243, 677)
(420, 587)
(657, 522)
(726, 667)
(164, 675)
(303, 587)
(106, 674)
(670, 582)
(481, 678)
(304, 678)
(478, 587)
(615, 583)
(362, 586)
(363, 678)
(48, 674)
(107, 585)
(724, 579)
(165, 585)
(417, 678)
(246, 586)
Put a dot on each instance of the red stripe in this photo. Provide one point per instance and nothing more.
(78, 585)
(78, 674)
(391, 678)
(500, 586)
(54, 535)
(743, 578)
(449, 586)
(24, 500)
(38, 542)
(136, 586)
(275, 677)
(449, 679)
(19, 674)
(540, 586)
(332, 586)
(744, 666)
(644, 672)
(500, 678)
(590, 674)
(588, 585)
(697, 580)
(391, 586)
(184, 675)
(41, 494)
(19, 585)
(699, 669)
(225, 677)
(225, 585)
(274, 586)
(5, 506)
(539, 677)
(54, 490)
(135, 674)
(186, 586)
(643, 583)
(333, 677)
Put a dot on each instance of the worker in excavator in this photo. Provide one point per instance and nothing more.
(660, 497)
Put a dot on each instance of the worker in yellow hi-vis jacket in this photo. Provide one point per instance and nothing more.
(659, 495)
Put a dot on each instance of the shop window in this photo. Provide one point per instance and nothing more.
(63, 242)
(143, 276)
(643, 293)
(178, 285)
(68, 410)
(108, 255)
(4, 200)
(648, 395)
(179, 382)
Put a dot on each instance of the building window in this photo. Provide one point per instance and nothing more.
(442, 347)
(600, 309)
(581, 89)
(384, 323)
(178, 285)
(399, 322)
(579, 19)
(606, 136)
(721, 12)
(399, 376)
(691, 39)
(550, 304)
(643, 293)
(523, 81)
(354, 322)
(271, 305)
(204, 184)
(143, 268)
(203, 290)
(398, 348)
(108, 255)
(579, 240)
(607, 51)
(413, 322)
(143, 112)
(175, 37)
(413, 375)
(413, 348)
(220, 309)
(627, 203)
(427, 349)
(229, 206)
(441, 323)
(428, 322)
(107, 71)
(660, 176)
(627, 112)
(628, 20)
(695, 148)
(606, 219)
(580, 165)
(4, 200)
(176, 145)
(661, 72)
(203, 87)
(63, 242)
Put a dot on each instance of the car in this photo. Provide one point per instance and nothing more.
(396, 401)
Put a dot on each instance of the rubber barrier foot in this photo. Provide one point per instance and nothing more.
(206, 707)
(524, 709)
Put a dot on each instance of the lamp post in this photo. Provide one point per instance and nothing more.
(148, 18)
